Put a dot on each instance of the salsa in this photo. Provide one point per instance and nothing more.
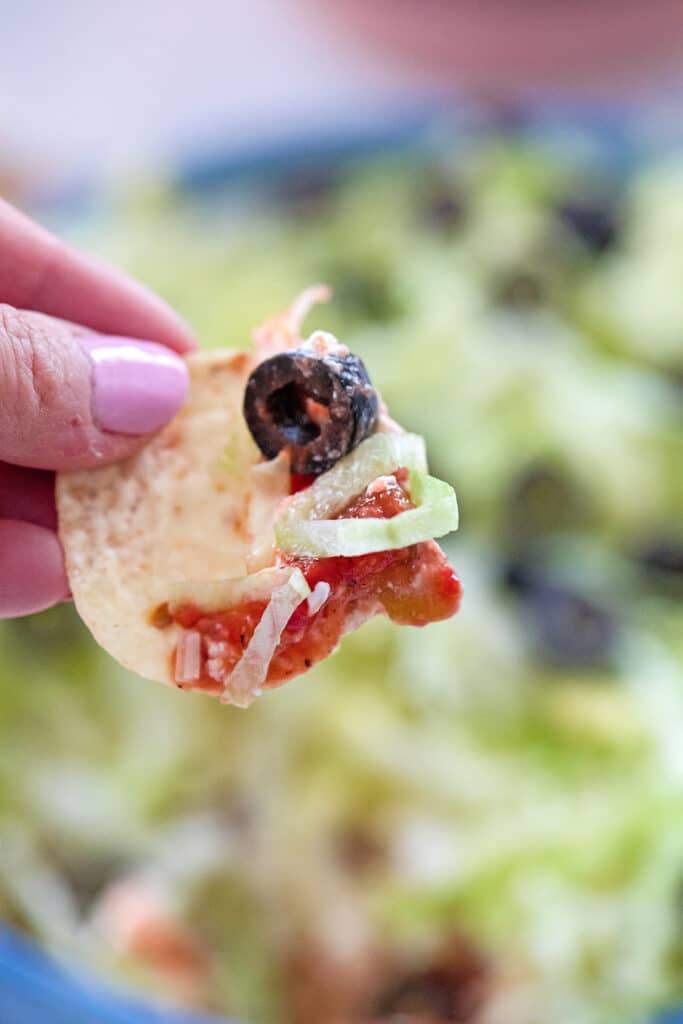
(413, 586)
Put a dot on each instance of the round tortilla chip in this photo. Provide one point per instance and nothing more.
(174, 512)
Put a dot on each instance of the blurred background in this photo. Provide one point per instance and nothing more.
(480, 822)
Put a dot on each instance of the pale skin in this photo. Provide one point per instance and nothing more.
(89, 370)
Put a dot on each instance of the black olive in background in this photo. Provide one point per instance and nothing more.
(541, 500)
(454, 987)
(519, 289)
(318, 408)
(442, 206)
(594, 223)
(662, 564)
(571, 631)
(675, 376)
(520, 575)
(87, 872)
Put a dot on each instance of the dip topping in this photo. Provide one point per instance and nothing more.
(315, 402)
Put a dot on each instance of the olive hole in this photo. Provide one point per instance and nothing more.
(287, 409)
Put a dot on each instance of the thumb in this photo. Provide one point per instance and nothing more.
(71, 399)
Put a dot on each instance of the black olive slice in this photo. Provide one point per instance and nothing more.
(453, 987)
(594, 223)
(571, 629)
(662, 564)
(542, 499)
(318, 408)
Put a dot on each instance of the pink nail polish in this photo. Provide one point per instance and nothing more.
(137, 385)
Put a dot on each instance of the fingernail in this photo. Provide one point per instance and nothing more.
(137, 385)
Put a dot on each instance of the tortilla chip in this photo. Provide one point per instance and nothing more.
(184, 527)
(176, 511)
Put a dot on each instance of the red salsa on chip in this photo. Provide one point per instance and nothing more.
(413, 586)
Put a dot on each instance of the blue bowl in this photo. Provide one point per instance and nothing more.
(34, 989)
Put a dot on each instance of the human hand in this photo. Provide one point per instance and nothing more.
(76, 391)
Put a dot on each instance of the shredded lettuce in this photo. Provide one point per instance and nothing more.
(306, 526)
(376, 456)
(436, 514)
(250, 672)
(536, 808)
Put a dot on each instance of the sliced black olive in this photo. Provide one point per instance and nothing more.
(87, 871)
(570, 629)
(442, 206)
(675, 376)
(452, 988)
(318, 408)
(444, 211)
(542, 499)
(519, 289)
(520, 574)
(662, 563)
(594, 223)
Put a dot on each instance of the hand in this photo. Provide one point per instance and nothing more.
(76, 391)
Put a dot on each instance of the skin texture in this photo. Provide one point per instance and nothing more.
(77, 390)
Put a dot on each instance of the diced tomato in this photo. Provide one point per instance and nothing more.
(413, 586)
(299, 482)
(231, 629)
(428, 591)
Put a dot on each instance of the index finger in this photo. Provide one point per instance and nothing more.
(40, 273)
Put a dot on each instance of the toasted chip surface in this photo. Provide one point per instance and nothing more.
(176, 511)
